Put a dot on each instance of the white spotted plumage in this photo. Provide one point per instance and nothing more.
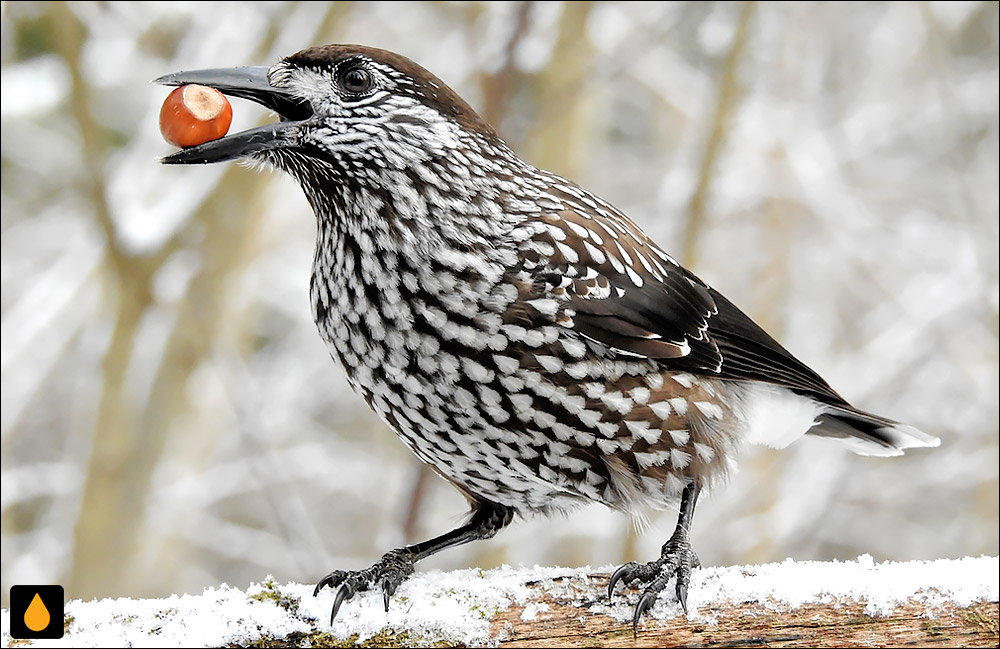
(521, 335)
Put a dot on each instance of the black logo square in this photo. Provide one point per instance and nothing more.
(36, 612)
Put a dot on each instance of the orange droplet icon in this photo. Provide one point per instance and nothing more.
(37, 616)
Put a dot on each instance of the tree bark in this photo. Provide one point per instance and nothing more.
(751, 624)
(938, 604)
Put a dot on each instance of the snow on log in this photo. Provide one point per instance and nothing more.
(940, 603)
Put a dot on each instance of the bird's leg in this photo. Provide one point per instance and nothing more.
(396, 565)
(676, 558)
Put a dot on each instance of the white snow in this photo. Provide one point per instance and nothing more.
(880, 586)
(457, 606)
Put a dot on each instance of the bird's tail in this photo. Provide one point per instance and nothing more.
(868, 434)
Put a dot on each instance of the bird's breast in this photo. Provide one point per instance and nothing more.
(493, 392)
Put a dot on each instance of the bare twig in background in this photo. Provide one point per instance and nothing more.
(557, 138)
(725, 106)
(101, 541)
(128, 445)
(498, 86)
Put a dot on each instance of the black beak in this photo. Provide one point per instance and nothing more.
(249, 83)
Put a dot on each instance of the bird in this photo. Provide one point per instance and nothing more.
(522, 336)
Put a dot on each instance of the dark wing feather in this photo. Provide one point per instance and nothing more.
(634, 319)
(621, 290)
(749, 353)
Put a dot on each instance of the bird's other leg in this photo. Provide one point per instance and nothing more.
(396, 565)
(676, 558)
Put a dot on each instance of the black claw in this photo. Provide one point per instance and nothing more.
(676, 562)
(684, 579)
(618, 575)
(682, 594)
(343, 594)
(645, 603)
(332, 580)
(388, 573)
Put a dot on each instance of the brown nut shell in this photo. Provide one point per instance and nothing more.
(193, 114)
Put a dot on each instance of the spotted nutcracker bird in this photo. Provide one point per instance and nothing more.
(522, 336)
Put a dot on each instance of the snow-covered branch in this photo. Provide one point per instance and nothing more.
(944, 603)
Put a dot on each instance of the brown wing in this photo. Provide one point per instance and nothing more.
(620, 289)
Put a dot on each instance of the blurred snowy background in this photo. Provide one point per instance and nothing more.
(171, 420)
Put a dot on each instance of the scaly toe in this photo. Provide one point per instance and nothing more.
(332, 580)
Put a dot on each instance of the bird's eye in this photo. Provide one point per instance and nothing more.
(356, 80)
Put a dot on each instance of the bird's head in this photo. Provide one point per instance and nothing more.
(373, 139)
(342, 107)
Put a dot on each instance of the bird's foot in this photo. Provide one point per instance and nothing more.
(676, 559)
(387, 573)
